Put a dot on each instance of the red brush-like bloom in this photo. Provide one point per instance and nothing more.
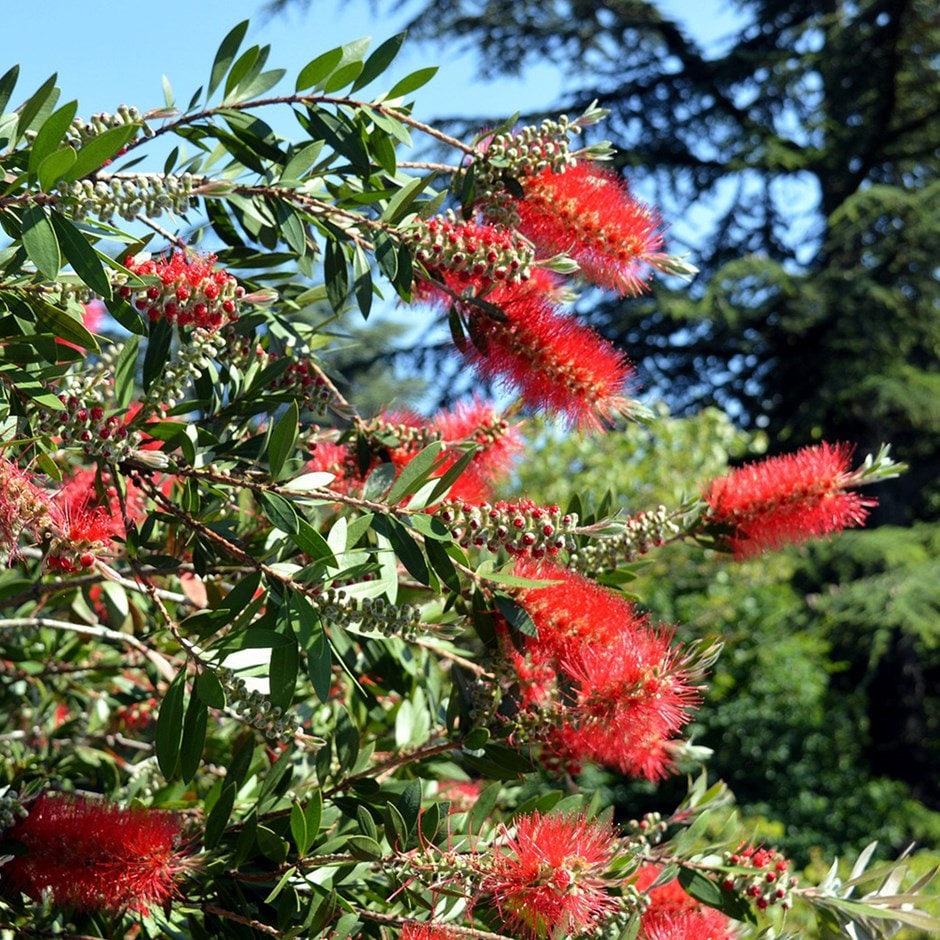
(673, 914)
(607, 686)
(498, 445)
(549, 878)
(634, 694)
(588, 213)
(24, 506)
(786, 499)
(553, 361)
(571, 612)
(96, 856)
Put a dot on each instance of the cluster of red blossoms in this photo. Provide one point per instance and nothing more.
(599, 683)
(475, 422)
(673, 914)
(490, 273)
(548, 878)
(788, 499)
(191, 290)
(95, 856)
(77, 531)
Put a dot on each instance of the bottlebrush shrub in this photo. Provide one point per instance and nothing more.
(275, 667)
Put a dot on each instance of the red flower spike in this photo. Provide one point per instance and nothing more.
(554, 362)
(548, 879)
(673, 914)
(96, 856)
(787, 499)
(634, 696)
(588, 213)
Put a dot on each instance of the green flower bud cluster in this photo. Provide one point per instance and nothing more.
(11, 808)
(521, 528)
(193, 357)
(127, 196)
(370, 613)
(82, 422)
(81, 131)
(478, 253)
(646, 831)
(640, 533)
(255, 708)
(761, 875)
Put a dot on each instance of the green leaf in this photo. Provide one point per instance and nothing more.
(158, 351)
(218, 817)
(226, 55)
(55, 320)
(100, 149)
(379, 480)
(517, 616)
(50, 135)
(412, 82)
(318, 69)
(31, 109)
(395, 829)
(400, 204)
(194, 737)
(209, 689)
(124, 371)
(301, 160)
(409, 554)
(379, 61)
(450, 476)
(283, 438)
(40, 242)
(320, 664)
(298, 829)
(314, 813)
(442, 565)
(277, 778)
(312, 543)
(169, 731)
(280, 511)
(336, 275)
(55, 167)
(283, 674)
(342, 77)
(415, 473)
(83, 258)
(7, 84)
(364, 848)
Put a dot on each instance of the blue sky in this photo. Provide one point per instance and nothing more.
(107, 54)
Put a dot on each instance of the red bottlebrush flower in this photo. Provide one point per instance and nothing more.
(24, 506)
(499, 443)
(633, 694)
(572, 611)
(604, 683)
(549, 878)
(588, 213)
(96, 856)
(83, 532)
(554, 362)
(786, 499)
(191, 291)
(673, 914)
